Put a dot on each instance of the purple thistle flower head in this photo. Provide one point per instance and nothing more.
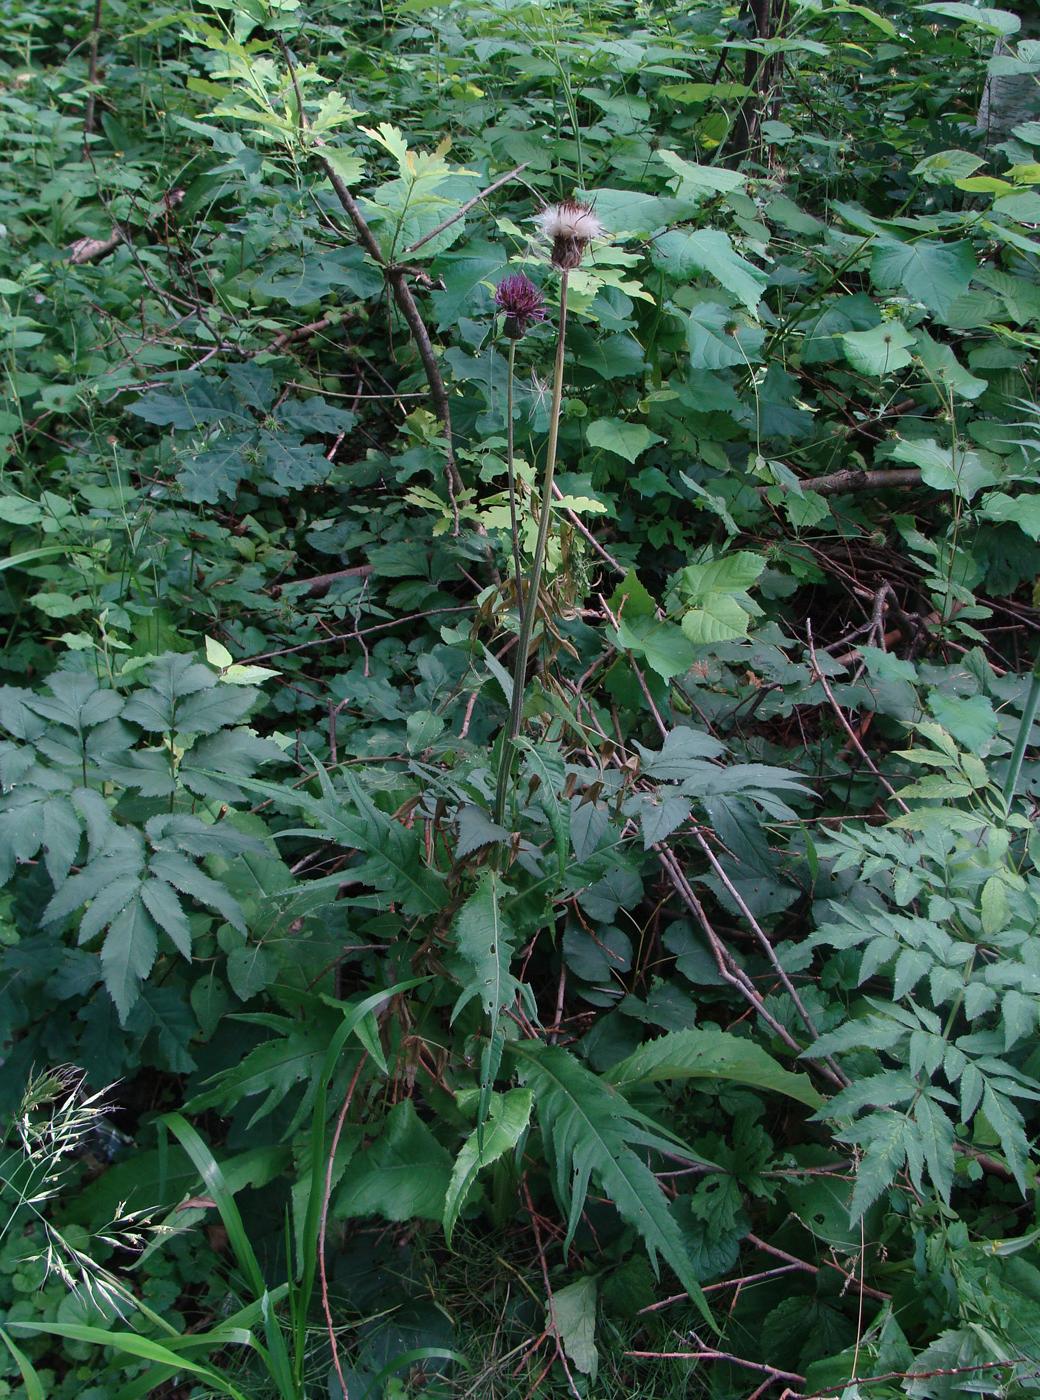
(522, 302)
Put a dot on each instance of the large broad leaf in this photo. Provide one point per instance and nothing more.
(628, 440)
(1000, 22)
(879, 351)
(591, 1130)
(1023, 511)
(710, 1053)
(632, 211)
(661, 644)
(935, 274)
(404, 1175)
(718, 337)
(698, 182)
(719, 618)
(711, 251)
(963, 471)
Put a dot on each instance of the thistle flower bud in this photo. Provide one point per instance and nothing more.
(522, 302)
(571, 226)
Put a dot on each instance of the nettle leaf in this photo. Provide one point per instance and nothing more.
(404, 1175)
(719, 337)
(507, 1121)
(590, 1130)
(710, 251)
(879, 351)
(935, 274)
(627, 440)
(662, 644)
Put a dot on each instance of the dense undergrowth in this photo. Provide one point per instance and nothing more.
(705, 1059)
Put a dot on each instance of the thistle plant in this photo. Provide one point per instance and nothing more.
(570, 226)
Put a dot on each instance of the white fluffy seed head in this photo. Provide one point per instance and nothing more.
(569, 220)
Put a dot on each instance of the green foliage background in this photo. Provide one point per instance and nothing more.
(713, 1069)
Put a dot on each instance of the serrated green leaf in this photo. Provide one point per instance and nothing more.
(590, 1129)
(884, 1156)
(720, 618)
(719, 337)
(710, 1053)
(666, 650)
(128, 955)
(935, 274)
(507, 1121)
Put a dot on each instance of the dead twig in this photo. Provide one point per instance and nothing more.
(710, 1354)
(92, 74)
(464, 209)
(853, 736)
(320, 584)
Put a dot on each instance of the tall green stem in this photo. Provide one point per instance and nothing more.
(529, 598)
(1014, 771)
(514, 525)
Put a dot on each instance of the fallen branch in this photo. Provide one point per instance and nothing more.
(320, 584)
(850, 480)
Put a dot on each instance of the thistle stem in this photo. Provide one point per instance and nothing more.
(529, 598)
(514, 526)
